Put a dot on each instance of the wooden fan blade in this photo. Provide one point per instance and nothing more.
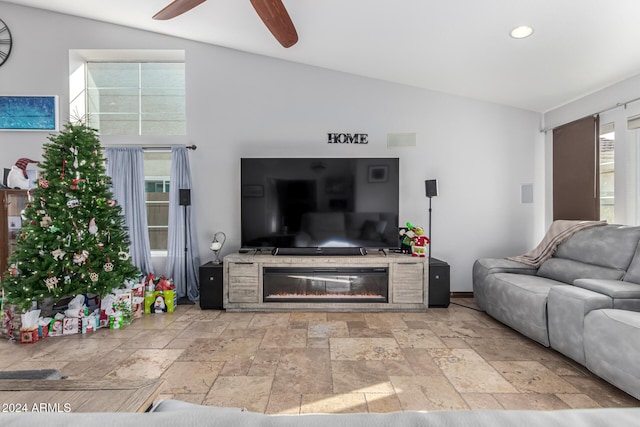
(177, 7)
(276, 18)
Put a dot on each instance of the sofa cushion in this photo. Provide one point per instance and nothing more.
(633, 271)
(567, 271)
(610, 246)
(612, 288)
(612, 346)
(219, 416)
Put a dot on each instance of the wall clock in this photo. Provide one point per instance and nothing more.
(5, 42)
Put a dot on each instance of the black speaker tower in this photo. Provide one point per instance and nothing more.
(431, 190)
(185, 200)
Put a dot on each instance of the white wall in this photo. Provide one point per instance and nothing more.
(241, 104)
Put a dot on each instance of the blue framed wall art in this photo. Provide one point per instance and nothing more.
(29, 113)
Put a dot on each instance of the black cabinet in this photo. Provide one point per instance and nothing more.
(211, 286)
(439, 286)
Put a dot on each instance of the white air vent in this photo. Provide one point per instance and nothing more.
(400, 140)
(526, 193)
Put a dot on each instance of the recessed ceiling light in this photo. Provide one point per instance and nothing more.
(521, 32)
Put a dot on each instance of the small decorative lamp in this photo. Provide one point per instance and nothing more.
(216, 245)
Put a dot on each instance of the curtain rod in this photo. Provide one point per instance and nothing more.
(152, 147)
(618, 105)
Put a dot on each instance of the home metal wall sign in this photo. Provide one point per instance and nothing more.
(347, 138)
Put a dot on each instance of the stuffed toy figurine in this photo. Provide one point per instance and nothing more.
(419, 243)
(17, 177)
(407, 235)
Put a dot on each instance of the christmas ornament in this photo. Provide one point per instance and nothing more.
(43, 183)
(77, 184)
(93, 228)
(74, 151)
(108, 266)
(58, 254)
(73, 203)
(80, 258)
(94, 276)
(53, 228)
(78, 232)
(14, 271)
(45, 221)
(122, 255)
(51, 283)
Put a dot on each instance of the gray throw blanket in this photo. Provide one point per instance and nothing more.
(559, 231)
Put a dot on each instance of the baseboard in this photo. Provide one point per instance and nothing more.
(461, 294)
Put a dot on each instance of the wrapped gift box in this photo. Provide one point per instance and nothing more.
(138, 307)
(55, 327)
(124, 304)
(29, 335)
(90, 323)
(43, 331)
(116, 321)
(138, 290)
(159, 301)
(11, 321)
(70, 325)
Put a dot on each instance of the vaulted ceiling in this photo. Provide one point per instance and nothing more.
(460, 47)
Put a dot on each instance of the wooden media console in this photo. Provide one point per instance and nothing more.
(325, 283)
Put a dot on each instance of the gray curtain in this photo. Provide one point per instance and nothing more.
(125, 166)
(182, 233)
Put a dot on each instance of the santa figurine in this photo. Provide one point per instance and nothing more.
(18, 177)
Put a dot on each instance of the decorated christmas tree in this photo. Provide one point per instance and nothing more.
(73, 240)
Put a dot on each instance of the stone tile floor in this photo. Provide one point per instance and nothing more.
(323, 362)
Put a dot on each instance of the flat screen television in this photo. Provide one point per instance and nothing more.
(319, 202)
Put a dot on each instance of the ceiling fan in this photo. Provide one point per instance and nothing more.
(272, 12)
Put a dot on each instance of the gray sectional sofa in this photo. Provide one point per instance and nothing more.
(584, 301)
(171, 413)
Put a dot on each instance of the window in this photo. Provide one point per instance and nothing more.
(157, 168)
(136, 98)
(607, 171)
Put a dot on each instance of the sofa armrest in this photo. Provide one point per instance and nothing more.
(482, 267)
